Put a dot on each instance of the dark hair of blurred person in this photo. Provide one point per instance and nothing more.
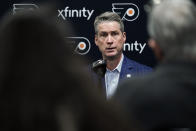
(42, 84)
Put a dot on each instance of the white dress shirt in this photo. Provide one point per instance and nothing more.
(112, 78)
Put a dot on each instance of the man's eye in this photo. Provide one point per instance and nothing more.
(114, 33)
(103, 34)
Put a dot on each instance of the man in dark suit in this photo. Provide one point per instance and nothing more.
(167, 97)
(110, 38)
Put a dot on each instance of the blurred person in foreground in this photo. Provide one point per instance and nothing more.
(42, 84)
(166, 98)
(110, 38)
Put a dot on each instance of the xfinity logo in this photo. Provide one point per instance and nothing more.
(71, 13)
(127, 11)
(138, 47)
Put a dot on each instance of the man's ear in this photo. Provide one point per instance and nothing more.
(96, 39)
(156, 49)
(124, 36)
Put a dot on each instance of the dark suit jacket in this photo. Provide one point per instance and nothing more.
(129, 68)
(133, 68)
(163, 99)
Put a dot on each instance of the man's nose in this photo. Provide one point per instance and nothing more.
(109, 39)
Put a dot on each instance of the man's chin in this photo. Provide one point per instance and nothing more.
(111, 57)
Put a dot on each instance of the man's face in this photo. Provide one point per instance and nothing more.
(110, 39)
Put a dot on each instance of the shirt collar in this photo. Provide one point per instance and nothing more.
(118, 67)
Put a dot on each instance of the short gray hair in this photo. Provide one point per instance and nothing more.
(172, 24)
(108, 16)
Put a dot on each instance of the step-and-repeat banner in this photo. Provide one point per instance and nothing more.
(82, 13)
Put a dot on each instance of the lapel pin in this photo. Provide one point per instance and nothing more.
(128, 75)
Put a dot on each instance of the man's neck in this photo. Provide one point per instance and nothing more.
(112, 64)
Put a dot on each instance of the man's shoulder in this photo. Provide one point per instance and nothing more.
(129, 63)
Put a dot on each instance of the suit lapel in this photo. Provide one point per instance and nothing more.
(125, 69)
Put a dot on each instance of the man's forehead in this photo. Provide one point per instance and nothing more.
(108, 23)
(108, 26)
(110, 31)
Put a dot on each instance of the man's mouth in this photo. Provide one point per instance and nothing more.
(110, 48)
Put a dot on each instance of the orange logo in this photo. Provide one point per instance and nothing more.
(82, 45)
(127, 11)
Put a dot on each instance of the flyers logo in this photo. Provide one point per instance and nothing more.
(127, 11)
(24, 7)
(82, 45)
